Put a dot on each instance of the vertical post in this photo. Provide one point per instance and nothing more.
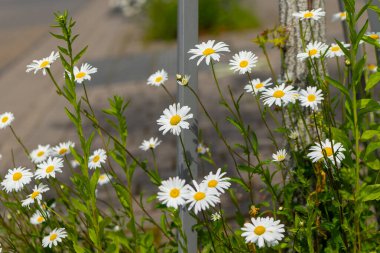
(187, 37)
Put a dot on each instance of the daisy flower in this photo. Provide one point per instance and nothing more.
(43, 64)
(243, 62)
(372, 68)
(16, 178)
(152, 143)
(313, 50)
(279, 95)
(310, 14)
(202, 149)
(217, 181)
(263, 231)
(40, 154)
(374, 36)
(182, 80)
(339, 16)
(328, 148)
(294, 134)
(38, 218)
(335, 51)
(54, 237)
(174, 119)
(279, 156)
(96, 160)
(84, 72)
(207, 50)
(311, 97)
(63, 148)
(6, 119)
(216, 216)
(201, 197)
(49, 168)
(36, 195)
(172, 192)
(104, 179)
(158, 78)
(256, 86)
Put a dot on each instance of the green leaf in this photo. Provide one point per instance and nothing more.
(369, 134)
(240, 182)
(375, 165)
(370, 192)
(340, 87)
(340, 136)
(79, 55)
(373, 80)
(372, 146)
(367, 105)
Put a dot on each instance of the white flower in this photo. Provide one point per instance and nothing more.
(182, 80)
(311, 97)
(49, 168)
(202, 149)
(243, 62)
(279, 156)
(6, 119)
(328, 148)
(74, 163)
(16, 178)
(96, 160)
(172, 192)
(263, 231)
(36, 195)
(54, 237)
(312, 14)
(40, 154)
(63, 148)
(339, 16)
(216, 216)
(256, 86)
(174, 119)
(84, 72)
(201, 197)
(104, 179)
(43, 64)
(207, 50)
(335, 51)
(152, 143)
(372, 68)
(38, 218)
(374, 36)
(313, 50)
(158, 78)
(217, 181)
(294, 134)
(279, 95)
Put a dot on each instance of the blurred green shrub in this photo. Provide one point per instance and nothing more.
(214, 16)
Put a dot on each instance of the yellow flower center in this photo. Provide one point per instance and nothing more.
(372, 66)
(328, 151)
(243, 64)
(280, 157)
(199, 196)
(174, 193)
(374, 36)
(96, 158)
(40, 219)
(308, 14)
(342, 14)
(212, 183)
(102, 177)
(80, 75)
(208, 51)
(311, 98)
(17, 176)
(175, 120)
(62, 151)
(158, 79)
(53, 237)
(35, 194)
(335, 48)
(50, 169)
(4, 119)
(259, 85)
(44, 64)
(278, 94)
(259, 230)
(313, 52)
(41, 153)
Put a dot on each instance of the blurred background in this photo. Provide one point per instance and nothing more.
(128, 41)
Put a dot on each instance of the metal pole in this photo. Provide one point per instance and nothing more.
(187, 37)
